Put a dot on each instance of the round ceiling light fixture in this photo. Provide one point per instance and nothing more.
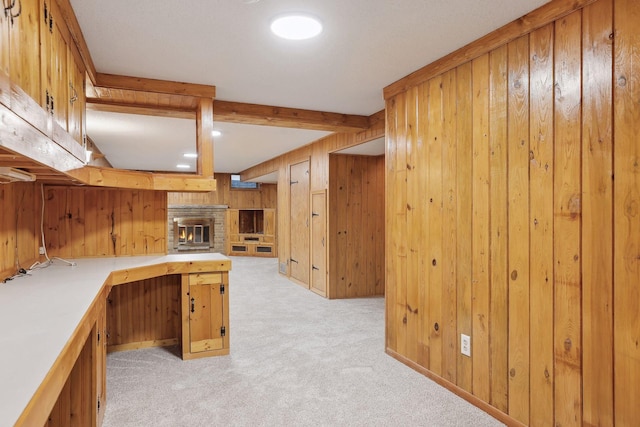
(296, 26)
(216, 133)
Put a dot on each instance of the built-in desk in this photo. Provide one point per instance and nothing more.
(50, 320)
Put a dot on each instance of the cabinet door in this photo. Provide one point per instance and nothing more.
(77, 100)
(25, 48)
(101, 365)
(53, 65)
(207, 329)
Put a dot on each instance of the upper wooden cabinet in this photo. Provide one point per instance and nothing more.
(77, 99)
(53, 64)
(24, 51)
(5, 93)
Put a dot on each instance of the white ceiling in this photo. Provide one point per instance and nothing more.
(365, 46)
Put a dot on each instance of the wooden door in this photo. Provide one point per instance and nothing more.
(25, 48)
(299, 209)
(206, 312)
(319, 243)
(53, 64)
(77, 100)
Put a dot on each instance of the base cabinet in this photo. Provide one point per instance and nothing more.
(205, 308)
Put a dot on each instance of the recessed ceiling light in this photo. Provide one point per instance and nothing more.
(183, 166)
(216, 133)
(190, 155)
(296, 27)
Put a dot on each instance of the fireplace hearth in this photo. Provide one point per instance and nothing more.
(196, 228)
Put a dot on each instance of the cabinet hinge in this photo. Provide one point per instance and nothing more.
(98, 404)
(293, 182)
(98, 337)
(222, 288)
(223, 331)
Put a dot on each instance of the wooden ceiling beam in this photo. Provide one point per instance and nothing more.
(141, 84)
(254, 114)
(102, 104)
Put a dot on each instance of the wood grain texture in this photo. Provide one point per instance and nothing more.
(103, 222)
(480, 228)
(266, 115)
(300, 216)
(626, 218)
(567, 221)
(597, 214)
(113, 81)
(541, 226)
(518, 246)
(498, 233)
(355, 229)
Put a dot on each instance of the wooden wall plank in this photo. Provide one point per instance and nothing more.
(399, 225)
(433, 140)
(449, 229)
(567, 221)
(541, 226)
(518, 173)
(417, 338)
(626, 218)
(499, 326)
(597, 214)
(391, 324)
(480, 229)
(464, 184)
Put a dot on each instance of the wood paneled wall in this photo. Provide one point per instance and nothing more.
(264, 197)
(318, 155)
(356, 226)
(144, 313)
(504, 222)
(19, 226)
(94, 222)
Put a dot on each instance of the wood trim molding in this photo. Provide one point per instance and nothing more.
(204, 137)
(236, 112)
(75, 31)
(540, 17)
(141, 84)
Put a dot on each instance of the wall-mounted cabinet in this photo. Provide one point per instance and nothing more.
(251, 232)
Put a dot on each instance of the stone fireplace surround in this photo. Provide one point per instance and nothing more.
(217, 212)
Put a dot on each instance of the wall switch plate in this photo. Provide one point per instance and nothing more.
(41, 250)
(465, 345)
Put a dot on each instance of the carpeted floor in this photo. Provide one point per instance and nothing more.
(296, 360)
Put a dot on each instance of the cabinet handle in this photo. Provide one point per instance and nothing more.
(193, 305)
(74, 97)
(8, 10)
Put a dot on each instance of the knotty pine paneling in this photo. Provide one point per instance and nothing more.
(265, 197)
(144, 313)
(94, 222)
(503, 222)
(19, 226)
(356, 226)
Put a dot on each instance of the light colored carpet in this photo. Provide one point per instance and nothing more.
(296, 360)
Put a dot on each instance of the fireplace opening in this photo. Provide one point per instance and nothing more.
(192, 233)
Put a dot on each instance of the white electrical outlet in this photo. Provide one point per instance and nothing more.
(41, 250)
(465, 345)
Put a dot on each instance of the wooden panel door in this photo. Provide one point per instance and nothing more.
(25, 49)
(319, 243)
(53, 65)
(76, 97)
(299, 208)
(101, 365)
(206, 315)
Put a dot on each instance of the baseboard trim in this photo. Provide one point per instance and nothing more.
(142, 344)
(478, 403)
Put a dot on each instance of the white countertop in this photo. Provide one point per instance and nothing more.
(39, 313)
